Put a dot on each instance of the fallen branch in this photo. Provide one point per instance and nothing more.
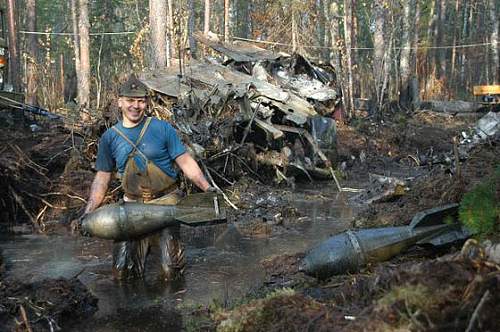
(25, 319)
(217, 187)
(475, 314)
(20, 202)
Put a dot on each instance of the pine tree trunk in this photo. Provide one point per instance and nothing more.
(326, 27)
(348, 55)
(84, 82)
(455, 38)
(294, 31)
(226, 21)
(76, 49)
(335, 37)
(14, 78)
(493, 12)
(32, 47)
(379, 46)
(158, 26)
(405, 69)
(440, 32)
(206, 22)
(170, 45)
(242, 21)
(191, 22)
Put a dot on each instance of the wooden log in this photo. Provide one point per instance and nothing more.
(452, 106)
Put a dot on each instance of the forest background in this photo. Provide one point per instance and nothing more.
(384, 50)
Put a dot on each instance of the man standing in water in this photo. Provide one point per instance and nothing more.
(144, 151)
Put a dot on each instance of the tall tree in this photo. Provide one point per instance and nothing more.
(76, 41)
(493, 13)
(242, 18)
(158, 26)
(191, 23)
(13, 51)
(405, 68)
(84, 79)
(335, 37)
(170, 32)
(348, 55)
(379, 45)
(440, 34)
(32, 47)
(206, 21)
(226, 20)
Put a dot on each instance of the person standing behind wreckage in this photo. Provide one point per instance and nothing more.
(144, 151)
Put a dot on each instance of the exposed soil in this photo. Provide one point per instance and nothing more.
(407, 296)
(44, 306)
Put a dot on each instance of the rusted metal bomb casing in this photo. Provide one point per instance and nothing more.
(128, 220)
(349, 251)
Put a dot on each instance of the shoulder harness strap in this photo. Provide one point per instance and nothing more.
(141, 135)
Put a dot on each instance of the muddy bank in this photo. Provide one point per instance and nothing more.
(47, 305)
(410, 296)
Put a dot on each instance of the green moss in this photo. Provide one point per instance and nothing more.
(480, 210)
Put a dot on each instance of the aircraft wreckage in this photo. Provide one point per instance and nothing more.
(258, 108)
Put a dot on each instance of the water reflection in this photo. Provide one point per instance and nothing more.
(223, 264)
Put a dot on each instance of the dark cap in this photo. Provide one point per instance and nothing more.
(133, 88)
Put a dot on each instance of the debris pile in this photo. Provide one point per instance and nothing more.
(255, 111)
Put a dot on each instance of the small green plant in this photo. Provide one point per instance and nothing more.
(479, 209)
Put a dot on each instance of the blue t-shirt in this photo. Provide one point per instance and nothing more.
(160, 144)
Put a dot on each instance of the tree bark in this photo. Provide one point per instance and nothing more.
(14, 77)
(335, 36)
(326, 27)
(76, 45)
(84, 82)
(32, 47)
(158, 26)
(294, 31)
(379, 46)
(440, 32)
(191, 22)
(348, 55)
(455, 38)
(206, 22)
(493, 13)
(242, 19)
(405, 69)
(170, 33)
(226, 21)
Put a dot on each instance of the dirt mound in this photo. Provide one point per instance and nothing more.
(280, 311)
(30, 166)
(444, 294)
(415, 296)
(44, 306)
(438, 188)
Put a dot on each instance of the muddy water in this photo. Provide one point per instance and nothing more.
(223, 264)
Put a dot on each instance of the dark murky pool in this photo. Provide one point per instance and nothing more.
(223, 265)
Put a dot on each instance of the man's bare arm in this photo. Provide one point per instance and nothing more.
(192, 171)
(98, 190)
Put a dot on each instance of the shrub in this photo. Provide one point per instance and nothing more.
(479, 209)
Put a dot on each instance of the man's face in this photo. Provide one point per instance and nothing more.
(132, 108)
